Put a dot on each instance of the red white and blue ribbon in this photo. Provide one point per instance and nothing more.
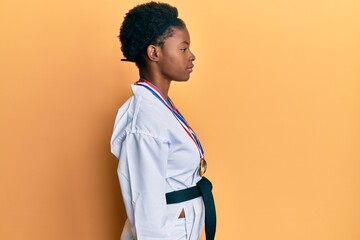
(168, 103)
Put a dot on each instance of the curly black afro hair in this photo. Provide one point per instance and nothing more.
(147, 24)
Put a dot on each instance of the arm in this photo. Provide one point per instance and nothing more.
(142, 174)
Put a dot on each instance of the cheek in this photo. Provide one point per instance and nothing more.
(172, 57)
(175, 62)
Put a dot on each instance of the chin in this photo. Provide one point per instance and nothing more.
(184, 79)
(181, 78)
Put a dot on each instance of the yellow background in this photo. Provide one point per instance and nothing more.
(274, 97)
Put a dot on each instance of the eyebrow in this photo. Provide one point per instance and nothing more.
(186, 42)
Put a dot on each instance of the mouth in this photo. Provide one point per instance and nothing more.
(190, 68)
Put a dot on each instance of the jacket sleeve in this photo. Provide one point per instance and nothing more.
(142, 175)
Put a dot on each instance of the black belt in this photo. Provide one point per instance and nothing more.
(203, 188)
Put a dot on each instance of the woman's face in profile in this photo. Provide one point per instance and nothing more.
(175, 57)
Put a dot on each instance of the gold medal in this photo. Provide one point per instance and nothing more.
(202, 167)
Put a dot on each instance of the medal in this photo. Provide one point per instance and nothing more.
(202, 167)
(167, 101)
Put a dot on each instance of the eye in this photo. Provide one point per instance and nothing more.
(183, 49)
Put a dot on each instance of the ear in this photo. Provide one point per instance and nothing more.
(152, 53)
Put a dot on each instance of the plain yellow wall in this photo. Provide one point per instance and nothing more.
(274, 97)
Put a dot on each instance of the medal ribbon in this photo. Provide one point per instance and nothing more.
(168, 103)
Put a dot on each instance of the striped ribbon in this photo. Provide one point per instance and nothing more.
(168, 103)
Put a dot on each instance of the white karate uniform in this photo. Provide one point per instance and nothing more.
(156, 156)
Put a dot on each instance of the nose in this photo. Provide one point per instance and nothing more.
(192, 56)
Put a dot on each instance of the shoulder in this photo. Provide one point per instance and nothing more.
(144, 114)
(151, 116)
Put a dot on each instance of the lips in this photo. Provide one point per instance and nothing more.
(190, 68)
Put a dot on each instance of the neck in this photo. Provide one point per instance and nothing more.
(162, 84)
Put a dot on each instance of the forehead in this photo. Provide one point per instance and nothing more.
(179, 36)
